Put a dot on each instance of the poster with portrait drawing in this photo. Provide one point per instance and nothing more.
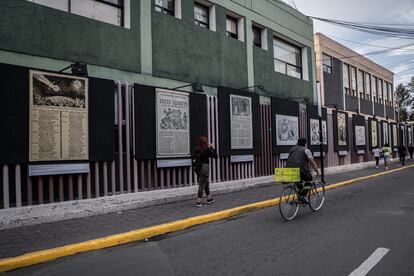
(394, 136)
(241, 122)
(360, 136)
(385, 133)
(374, 134)
(314, 132)
(287, 130)
(173, 123)
(58, 117)
(342, 131)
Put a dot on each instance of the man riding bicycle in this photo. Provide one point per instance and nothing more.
(300, 157)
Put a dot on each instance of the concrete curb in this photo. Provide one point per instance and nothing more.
(37, 214)
(145, 233)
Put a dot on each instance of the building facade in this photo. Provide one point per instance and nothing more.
(137, 53)
(361, 90)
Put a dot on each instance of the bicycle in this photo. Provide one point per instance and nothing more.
(290, 198)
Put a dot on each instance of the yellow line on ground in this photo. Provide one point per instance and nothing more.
(42, 256)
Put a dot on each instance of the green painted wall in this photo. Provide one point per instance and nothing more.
(38, 30)
(187, 52)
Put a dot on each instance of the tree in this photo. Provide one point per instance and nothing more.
(403, 99)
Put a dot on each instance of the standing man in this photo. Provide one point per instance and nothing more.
(402, 152)
(411, 150)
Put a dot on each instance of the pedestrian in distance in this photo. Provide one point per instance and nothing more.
(201, 164)
(377, 153)
(411, 150)
(386, 154)
(401, 153)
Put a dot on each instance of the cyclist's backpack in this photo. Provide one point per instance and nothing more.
(196, 162)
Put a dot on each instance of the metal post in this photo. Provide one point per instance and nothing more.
(318, 90)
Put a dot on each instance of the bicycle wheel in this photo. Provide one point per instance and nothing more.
(316, 195)
(288, 205)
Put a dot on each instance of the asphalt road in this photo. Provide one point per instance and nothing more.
(355, 221)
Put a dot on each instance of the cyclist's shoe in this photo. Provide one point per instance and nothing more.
(304, 200)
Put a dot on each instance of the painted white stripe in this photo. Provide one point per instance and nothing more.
(366, 266)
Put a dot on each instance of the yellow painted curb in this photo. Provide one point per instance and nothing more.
(42, 256)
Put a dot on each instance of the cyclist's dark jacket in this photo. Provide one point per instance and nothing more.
(298, 159)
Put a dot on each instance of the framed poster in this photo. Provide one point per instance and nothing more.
(173, 123)
(394, 135)
(287, 130)
(342, 131)
(360, 136)
(374, 134)
(58, 117)
(410, 136)
(241, 122)
(385, 133)
(314, 132)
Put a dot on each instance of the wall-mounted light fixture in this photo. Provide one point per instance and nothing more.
(78, 69)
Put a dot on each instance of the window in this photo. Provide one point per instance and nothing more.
(231, 27)
(361, 84)
(379, 89)
(390, 95)
(257, 36)
(374, 88)
(201, 15)
(345, 78)
(385, 89)
(287, 58)
(368, 86)
(327, 63)
(165, 6)
(109, 11)
(353, 81)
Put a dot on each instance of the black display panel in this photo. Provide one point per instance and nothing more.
(283, 107)
(225, 124)
(358, 120)
(14, 114)
(313, 114)
(370, 133)
(344, 135)
(101, 119)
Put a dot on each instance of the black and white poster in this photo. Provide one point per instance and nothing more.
(173, 123)
(342, 131)
(58, 117)
(360, 135)
(410, 136)
(241, 122)
(287, 130)
(385, 133)
(394, 136)
(314, 135)
(374, 134)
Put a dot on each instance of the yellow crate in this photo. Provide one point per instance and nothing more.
(287, 174)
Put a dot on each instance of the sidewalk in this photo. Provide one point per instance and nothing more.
(17, 241)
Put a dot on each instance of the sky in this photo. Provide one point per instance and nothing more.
(401, 62)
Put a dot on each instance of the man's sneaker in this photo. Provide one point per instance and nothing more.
(376, 167)
(209, 201)
(199, 204)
